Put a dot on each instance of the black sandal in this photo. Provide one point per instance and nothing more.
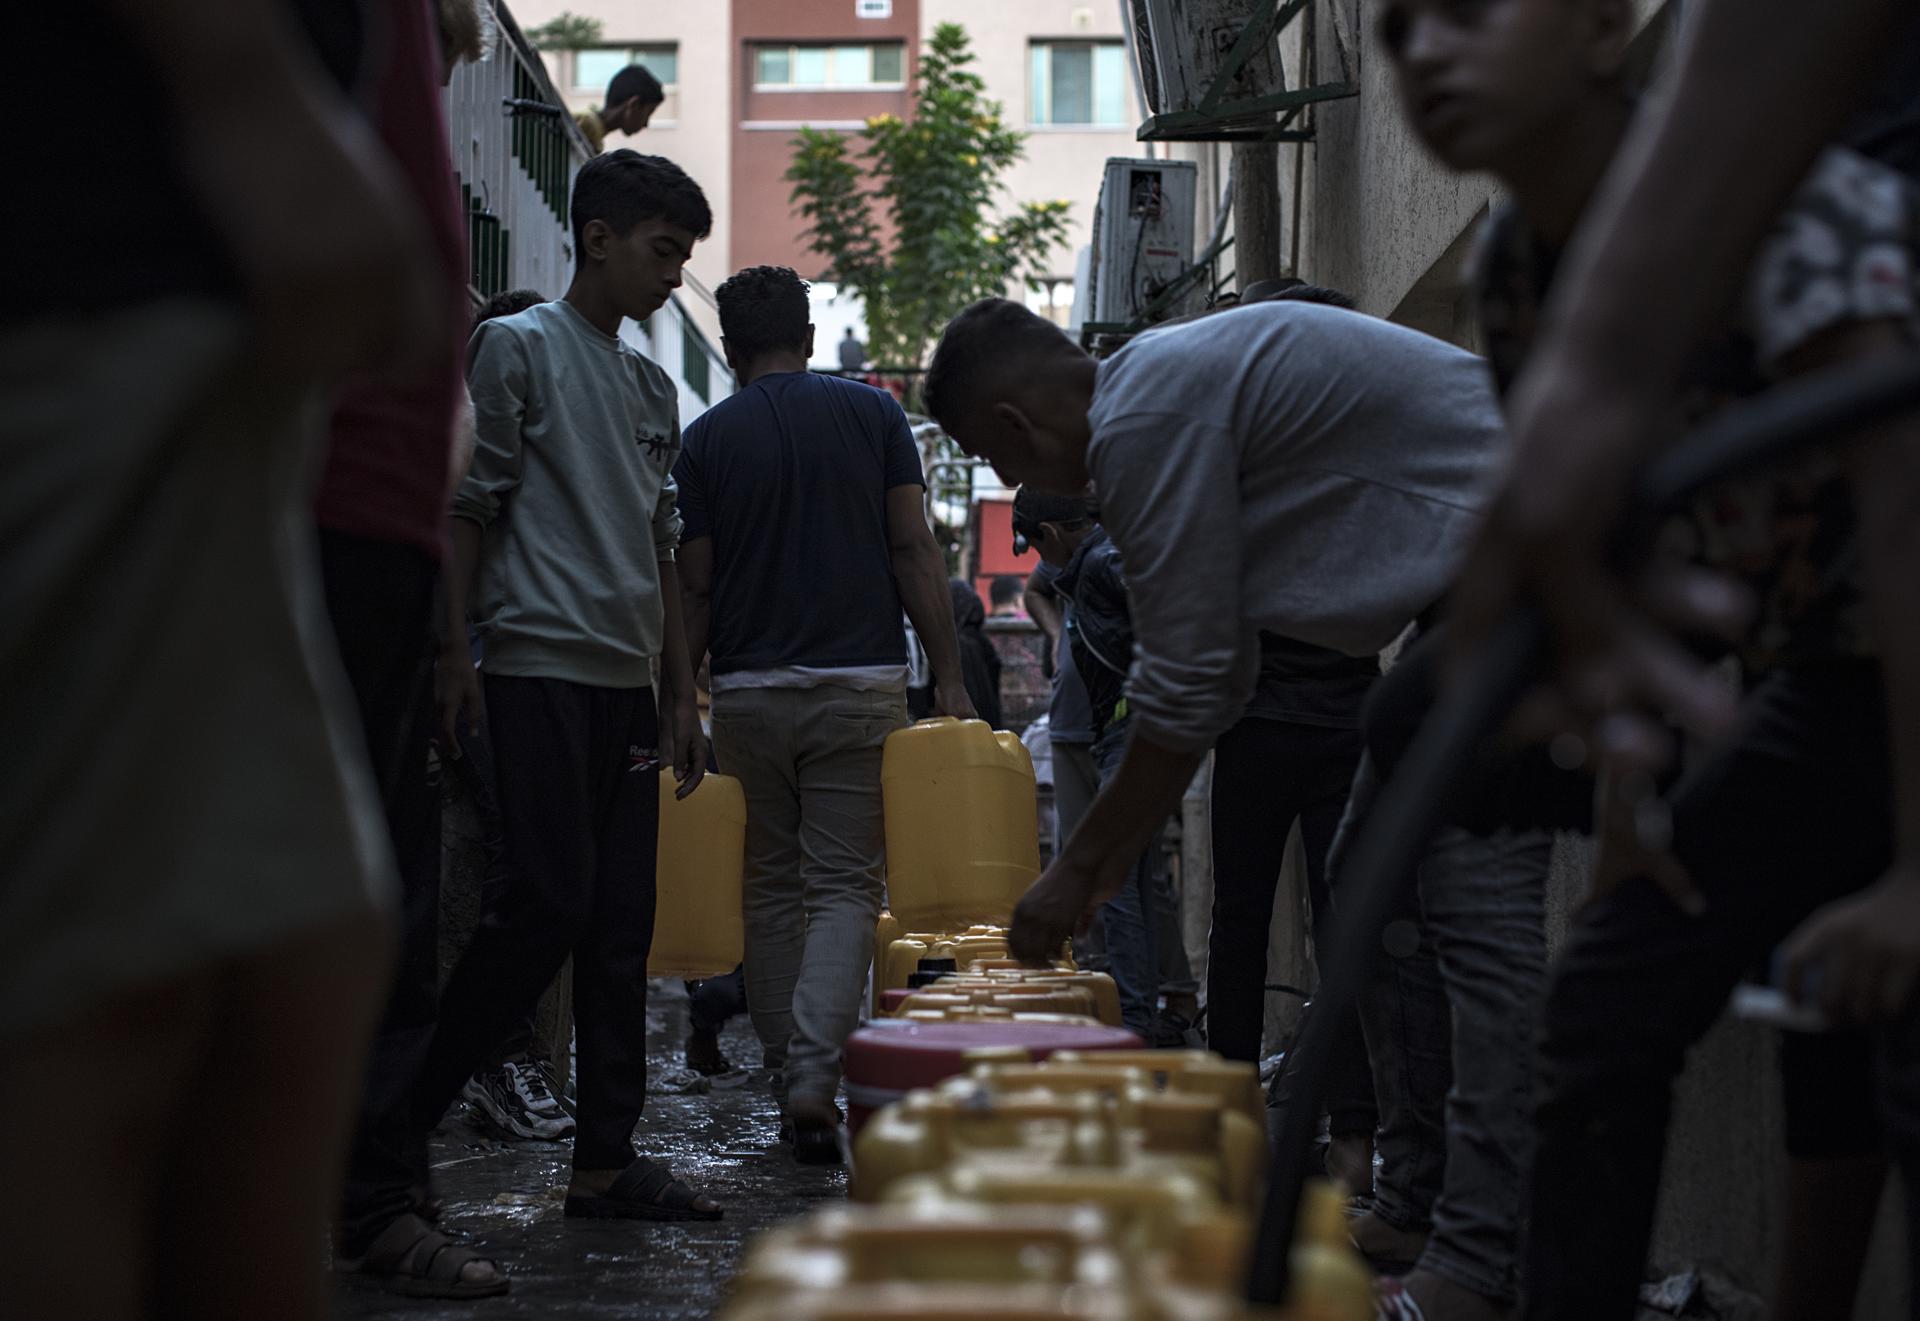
(645, 1190)
(411, 1257)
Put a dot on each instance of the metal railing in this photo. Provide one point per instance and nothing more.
(670, 338)
(516, 150)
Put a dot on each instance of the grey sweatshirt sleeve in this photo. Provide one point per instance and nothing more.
(497, 376)
(1169, 496)
(667, 523)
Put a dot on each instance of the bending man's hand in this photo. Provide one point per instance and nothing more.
(1124, 820)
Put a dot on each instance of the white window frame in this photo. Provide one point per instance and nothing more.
(1034, 91)
(573, 73)
(793, 49)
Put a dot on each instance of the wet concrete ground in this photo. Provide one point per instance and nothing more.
(507, 1196)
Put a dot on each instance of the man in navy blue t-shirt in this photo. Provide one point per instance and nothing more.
(804, 538)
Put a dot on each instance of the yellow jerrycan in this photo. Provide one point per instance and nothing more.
(703, 838)
(1237, 1084)
(1330, 1280)
(963, 839)
(856, 1245)
(885, 931)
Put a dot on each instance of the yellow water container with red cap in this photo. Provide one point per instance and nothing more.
(697, 930)
(963, 839)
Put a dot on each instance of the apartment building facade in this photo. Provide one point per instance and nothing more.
(744, 75)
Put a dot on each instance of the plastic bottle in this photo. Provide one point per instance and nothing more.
(1330, 1281)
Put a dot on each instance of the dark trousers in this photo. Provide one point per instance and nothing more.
(1792, 813)
(1267, 774)
(710, 1003)
(380, 598)
(473, 771)
(577, 777)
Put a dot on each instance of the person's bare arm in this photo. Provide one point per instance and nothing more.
(338, 273)
(920, 571)
(1120, 825)
(1043, 607)
(696, 596)
(1760, 85)
(683, 741)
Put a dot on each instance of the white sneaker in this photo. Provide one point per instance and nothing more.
(495, 1095)
(535, 1087)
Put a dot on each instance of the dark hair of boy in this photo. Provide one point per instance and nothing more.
(763, 309)
(634, 83)
(977, 346)
(1031, 508)
(623, 188)
(508, 303)
(1005, 589)
(1312, 293)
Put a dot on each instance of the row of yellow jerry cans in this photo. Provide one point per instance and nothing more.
(962, 844)
(1104, 1185)
(990, 983)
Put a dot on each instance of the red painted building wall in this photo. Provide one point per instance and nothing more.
(993, 544)
(765, 229)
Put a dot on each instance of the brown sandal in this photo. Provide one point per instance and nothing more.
(645, 1190)
(412, 1257)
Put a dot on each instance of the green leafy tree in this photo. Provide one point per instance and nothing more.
(907, 213)
(566, 31)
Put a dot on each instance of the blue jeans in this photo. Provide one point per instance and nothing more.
(1450, 1022)
(1130, 921)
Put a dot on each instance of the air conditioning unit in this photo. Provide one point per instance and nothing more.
(1143, 238)
(1185, 42)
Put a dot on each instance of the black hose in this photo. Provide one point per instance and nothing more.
(1413, 802)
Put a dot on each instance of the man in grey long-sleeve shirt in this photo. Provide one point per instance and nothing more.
(1286, 467)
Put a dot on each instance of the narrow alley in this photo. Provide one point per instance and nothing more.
(722, 1140)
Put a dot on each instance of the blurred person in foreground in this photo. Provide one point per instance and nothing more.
(1732, 866)
(1538, 92)
(382, 517)
(192, 907)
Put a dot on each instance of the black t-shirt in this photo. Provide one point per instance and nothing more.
(1307, 685)
(790, 478)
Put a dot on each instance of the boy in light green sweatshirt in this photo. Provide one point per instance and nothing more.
(563, 548)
